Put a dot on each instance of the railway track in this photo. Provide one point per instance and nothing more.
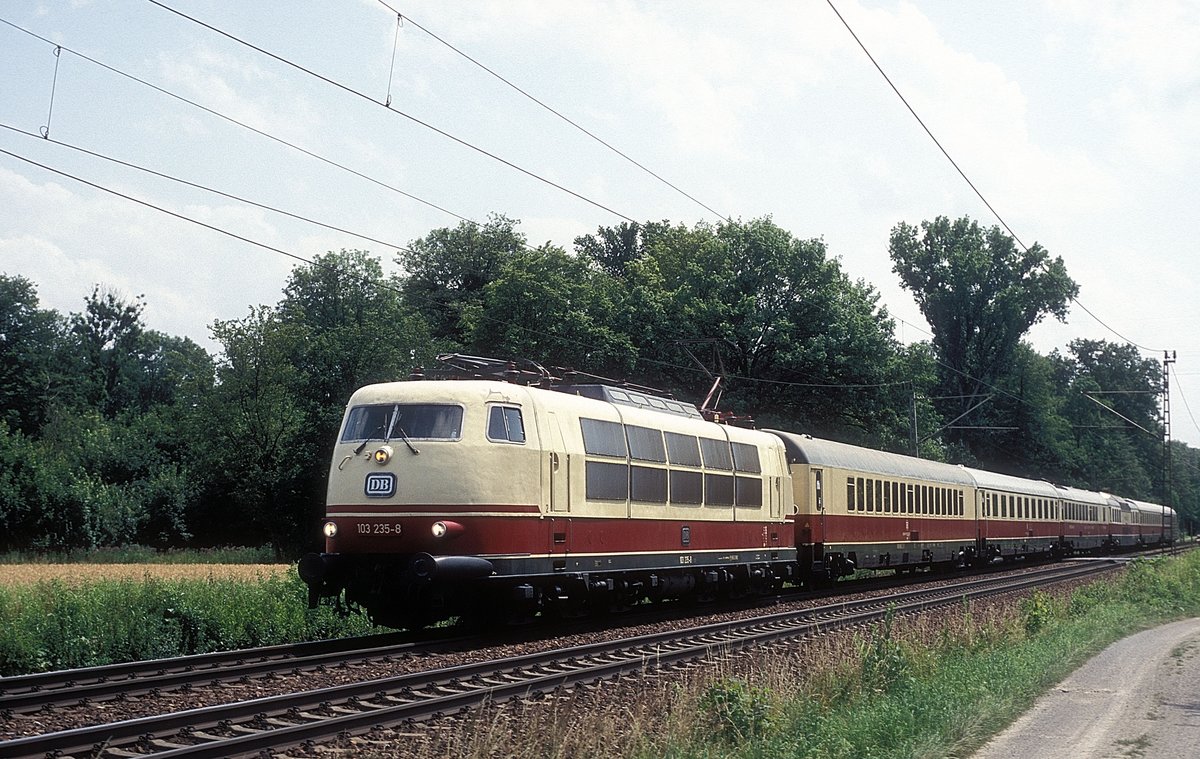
(267, 724)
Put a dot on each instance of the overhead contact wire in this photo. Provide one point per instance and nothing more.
(243, 125)
(410, 117)
(565, 118)
(179, 180)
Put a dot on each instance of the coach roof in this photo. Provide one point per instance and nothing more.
(804, 449)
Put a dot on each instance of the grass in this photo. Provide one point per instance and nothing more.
(89, 574)
(53, 624)
(910, 688)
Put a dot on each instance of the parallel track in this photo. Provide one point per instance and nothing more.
(250, 727)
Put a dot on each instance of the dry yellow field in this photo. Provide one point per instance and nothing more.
(27, 574)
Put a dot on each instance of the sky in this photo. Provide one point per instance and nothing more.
(1077, 120)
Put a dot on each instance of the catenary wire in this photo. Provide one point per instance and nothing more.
(243, 125)
(962, 173)
(179, 180)
(348, 89)
(557, 113)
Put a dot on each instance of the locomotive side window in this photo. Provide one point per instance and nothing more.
(745, 458)
(505, 424)
(415, 421)
(687, 487)
(718, 490)
(607, 482)
(749, 492)
(602, 438)
(645, 444)
(648, 484)
(683, 450)
(716, 454)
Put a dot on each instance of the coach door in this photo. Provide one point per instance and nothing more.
(817, 499)
(558, 463)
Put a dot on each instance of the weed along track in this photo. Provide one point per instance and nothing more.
(275, 722)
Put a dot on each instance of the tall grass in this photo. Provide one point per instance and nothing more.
(59, 625)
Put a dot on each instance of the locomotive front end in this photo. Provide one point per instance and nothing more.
(428, 480)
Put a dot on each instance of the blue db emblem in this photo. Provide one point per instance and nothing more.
(380, 485)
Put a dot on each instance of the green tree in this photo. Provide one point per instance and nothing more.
(30, 339)
(447, 271)
(255, 419)
(1112, 404)
(980, 294)
(109, 335)
(547, 305)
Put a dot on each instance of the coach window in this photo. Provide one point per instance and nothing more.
(870, 495)
(862, 495)
(887, 498)
(505, 425)
(849, 494)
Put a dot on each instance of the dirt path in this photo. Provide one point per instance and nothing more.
(1137, 699)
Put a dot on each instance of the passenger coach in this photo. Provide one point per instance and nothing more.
(859, 508)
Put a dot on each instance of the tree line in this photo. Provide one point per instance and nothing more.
(112, 433)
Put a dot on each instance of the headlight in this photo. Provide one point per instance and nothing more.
(330, 529)
(447, 529)
(383, 455)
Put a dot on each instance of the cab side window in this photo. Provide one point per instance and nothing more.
(505, 424)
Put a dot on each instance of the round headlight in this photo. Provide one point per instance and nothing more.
(330, 529)
(446, 530)
(383, 455)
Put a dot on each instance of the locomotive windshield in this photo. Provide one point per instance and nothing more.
(425, 421)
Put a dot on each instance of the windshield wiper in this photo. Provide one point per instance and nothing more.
(392, 425)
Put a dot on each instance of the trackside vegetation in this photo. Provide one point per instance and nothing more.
(57, 624)
(938, 686)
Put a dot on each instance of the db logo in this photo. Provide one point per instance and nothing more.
(380, 485)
